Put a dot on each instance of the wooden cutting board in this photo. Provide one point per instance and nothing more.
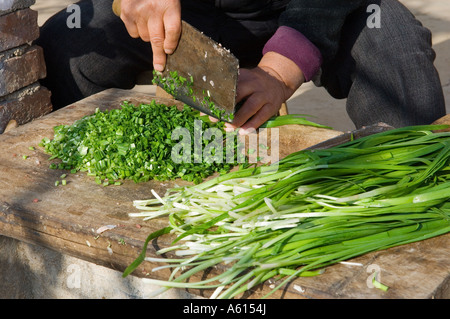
(66, 218)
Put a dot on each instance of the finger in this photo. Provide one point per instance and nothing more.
(156, 35)
(143, 31)
(245, 85)
(213, 119)
(130, 25)
(229, 127)
(259, 118)
(172, 29)
(248, 109)
(127, 20)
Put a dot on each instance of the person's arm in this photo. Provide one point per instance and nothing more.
(308, 36)
(320, 21)
(154, 21)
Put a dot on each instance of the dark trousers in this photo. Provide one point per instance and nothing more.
(387, 74)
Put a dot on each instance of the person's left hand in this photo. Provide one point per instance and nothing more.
(264, 89)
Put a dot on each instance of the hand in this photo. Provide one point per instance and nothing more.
(154, 21)
(264, 89)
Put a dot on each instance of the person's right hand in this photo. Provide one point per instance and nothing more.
(154, 21)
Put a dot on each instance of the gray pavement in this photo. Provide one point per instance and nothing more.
(315, 101)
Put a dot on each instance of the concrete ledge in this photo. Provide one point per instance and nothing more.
(34, 272)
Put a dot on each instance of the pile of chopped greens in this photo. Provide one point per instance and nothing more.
(133, 142)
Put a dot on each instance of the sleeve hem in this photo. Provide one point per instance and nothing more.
(296, 47)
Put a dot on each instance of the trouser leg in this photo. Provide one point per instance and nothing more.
(99, 55)
(387, 74)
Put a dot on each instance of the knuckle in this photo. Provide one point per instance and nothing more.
(156, 40)
(132, 31)
(144, 37)
(172, 30)
(256, 101)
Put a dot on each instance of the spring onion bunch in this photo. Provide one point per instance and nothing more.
(310, 210)
(288, 119)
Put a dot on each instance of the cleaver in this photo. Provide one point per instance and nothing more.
(210, 69)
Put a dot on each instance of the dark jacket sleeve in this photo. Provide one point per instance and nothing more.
(320, 21)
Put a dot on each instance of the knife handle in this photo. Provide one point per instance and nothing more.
(116, 7)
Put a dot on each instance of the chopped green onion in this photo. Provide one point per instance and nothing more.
(135, 142)
(291, 119)
(378, 284)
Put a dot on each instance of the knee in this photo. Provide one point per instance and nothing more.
(399, 35)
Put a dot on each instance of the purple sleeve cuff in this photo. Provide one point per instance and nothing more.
(296, 47)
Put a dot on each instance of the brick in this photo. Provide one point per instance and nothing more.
(18, 28)
(7, 6)
(21, 70)
(25, 105)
